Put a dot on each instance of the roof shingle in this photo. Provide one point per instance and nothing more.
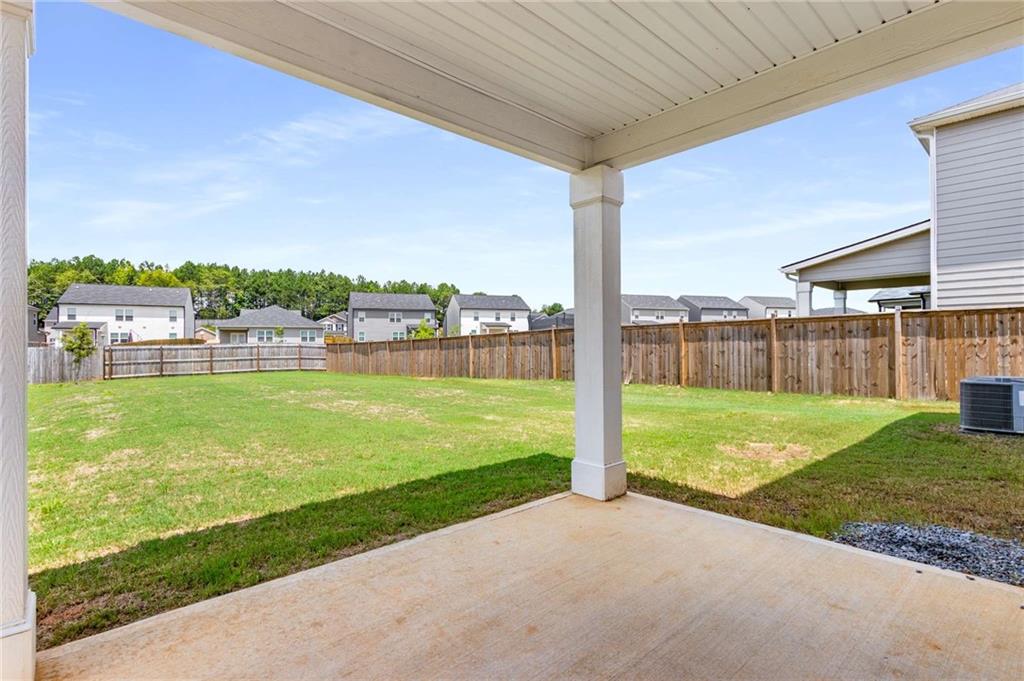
(485, 302)
(272, 315)
(652, 302)
(110, 294)
(359, 300)
(711, 302)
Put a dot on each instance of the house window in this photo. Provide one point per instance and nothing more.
(472, 332)
(264, 335)
(395, 317)
(476, 315)
(512, 316)
(120, 337)
(497, 316)
(362, 337)
(398, 335)
(172, 335)
(636, 314)
(659, 315)
(124, 314)
(172, 316)
(307, 336)
(72, 314)
(426, 315)
(362, 316)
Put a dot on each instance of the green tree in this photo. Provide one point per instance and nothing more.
(424, 330)
(553, 308)
(279, 334)
(123, 275)
(79, 342)
(157, 277)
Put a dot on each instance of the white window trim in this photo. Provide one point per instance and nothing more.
(395, 317)
(307, 336)
(72, 314)
(361, 337)
(172, 315)
(262, 333)
(361, 315)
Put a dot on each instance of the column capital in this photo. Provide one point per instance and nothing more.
(22, 9)
(599, 183)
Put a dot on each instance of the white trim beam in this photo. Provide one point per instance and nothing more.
(305, 46)
(927, 40)
(598, 470)
(17, 603)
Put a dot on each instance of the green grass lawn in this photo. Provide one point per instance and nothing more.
(149, 494)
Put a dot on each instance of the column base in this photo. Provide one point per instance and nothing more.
(601, 482)
(18, 646)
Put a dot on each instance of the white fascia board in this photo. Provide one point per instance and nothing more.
(293, 42)
(927, 40)
(867, 244)
(925, 124)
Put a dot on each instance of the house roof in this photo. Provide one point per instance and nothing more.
(339, 316)
(272, 315)
(899, 293)
(53, 315)
(993, 102)
(471, 302)
(71, 325)
(658, 302)
(771, 301)
(389, 301)
(30, 306)
(711, 302)
(109, 294)
(857, 246)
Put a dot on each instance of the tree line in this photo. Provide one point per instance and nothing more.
(221, 291)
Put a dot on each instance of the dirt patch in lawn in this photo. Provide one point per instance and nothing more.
(766, 451)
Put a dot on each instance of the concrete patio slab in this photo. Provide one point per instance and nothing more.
(571, 587)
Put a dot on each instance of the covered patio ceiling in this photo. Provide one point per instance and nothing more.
(574, 85)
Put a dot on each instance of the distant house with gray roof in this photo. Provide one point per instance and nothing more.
(641, 309)
(121, 314)
(767, 307)
(712, 308)
(271, 324)
(566, 319)
(905, 298)
(388, 316)
(471, 315)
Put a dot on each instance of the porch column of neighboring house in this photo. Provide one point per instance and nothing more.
(804, 289)
(17, 603)
(598, 470)
(839, 298)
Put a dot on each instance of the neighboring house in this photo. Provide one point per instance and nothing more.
(208, 336)
(388, 316)
(335, 324)
(34, 336)
(712, 308)
(767, 307)
(261, 326)
(120, 314)
(970, 252)
(470, 315)
(905, 298)
(566, 319)
(637, 309)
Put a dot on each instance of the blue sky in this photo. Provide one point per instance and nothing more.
(147, 146)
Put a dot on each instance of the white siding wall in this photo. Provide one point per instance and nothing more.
(469, 326)
(290, 335)
(979, 207)
(150, 322)
(639, 316)
(907, 257)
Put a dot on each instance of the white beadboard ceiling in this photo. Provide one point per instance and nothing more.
(573, 84)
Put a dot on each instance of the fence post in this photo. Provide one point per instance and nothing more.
(438, 352)
(472, 358)
(161, 360)
(508, 355)
(387, 345)
(554, 355)
(299, 355)
(211, 360)
(774, 357)
(899, 387)
(684, 358)
(258, 366)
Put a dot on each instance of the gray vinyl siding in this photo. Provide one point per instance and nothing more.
(452, 317)
(377, 326)
(979, 210)
(906, 257)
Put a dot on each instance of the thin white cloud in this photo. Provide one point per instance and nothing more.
(675, 180)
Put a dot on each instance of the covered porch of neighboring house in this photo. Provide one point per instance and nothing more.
(901, 258)
(569, 587)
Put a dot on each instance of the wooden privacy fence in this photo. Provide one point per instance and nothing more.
(121, 361)
(905, 355)
(54, 365)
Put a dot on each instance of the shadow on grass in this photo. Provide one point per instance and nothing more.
(161, 574)
(919, 469)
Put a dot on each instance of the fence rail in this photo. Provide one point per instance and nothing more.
(53, 365)
(904, 355)
(184, 360)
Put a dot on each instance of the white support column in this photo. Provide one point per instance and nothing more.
(839, 301)
(598, 470)
(804, 290)
(17, 603)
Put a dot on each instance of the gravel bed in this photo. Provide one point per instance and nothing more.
(944, 547)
